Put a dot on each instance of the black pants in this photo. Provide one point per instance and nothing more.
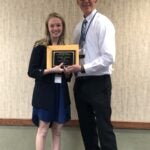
(93, 98)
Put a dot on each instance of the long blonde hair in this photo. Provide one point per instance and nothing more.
(62, 36)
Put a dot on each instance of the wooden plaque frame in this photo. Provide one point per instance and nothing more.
(62, 49)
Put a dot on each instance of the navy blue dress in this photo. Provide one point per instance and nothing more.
(60, 112)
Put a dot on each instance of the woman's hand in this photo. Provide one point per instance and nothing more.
(57, 69)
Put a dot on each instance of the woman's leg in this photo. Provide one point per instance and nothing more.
(41, 135)
(56, 135)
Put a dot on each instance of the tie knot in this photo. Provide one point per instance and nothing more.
(84, 21)
(84, 24)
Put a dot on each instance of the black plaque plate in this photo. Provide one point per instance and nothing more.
(67, 57)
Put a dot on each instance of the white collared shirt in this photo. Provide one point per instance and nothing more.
(99, 45)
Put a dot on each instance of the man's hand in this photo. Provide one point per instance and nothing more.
(73, 69)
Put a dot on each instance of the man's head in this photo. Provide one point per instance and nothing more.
(87, 6)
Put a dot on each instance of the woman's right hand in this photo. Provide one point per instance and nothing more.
(57, 69)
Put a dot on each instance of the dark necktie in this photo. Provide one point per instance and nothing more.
(83, 34)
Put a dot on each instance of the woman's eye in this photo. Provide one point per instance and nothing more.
(51, 26)
(58, 25)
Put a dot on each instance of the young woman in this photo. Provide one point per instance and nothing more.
(50, 101)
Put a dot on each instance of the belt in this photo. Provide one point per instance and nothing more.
(91, 77)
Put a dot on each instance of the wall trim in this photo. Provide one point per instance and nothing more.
(74, 123)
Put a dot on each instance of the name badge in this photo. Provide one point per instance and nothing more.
(58, 79)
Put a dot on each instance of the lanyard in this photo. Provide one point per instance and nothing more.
(90, 24)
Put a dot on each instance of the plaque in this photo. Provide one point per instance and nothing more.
(66, 54)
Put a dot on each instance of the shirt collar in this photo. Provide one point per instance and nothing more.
(90, 16)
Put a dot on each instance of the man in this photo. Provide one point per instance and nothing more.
(92, 87)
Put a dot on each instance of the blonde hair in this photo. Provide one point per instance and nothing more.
(62, 36)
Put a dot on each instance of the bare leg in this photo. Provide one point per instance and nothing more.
(41, 135)
(56, 136)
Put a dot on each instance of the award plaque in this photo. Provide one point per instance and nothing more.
(66, 54)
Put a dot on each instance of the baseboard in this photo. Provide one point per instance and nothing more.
(74, 123)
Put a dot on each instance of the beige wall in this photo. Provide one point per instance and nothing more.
(22, 22)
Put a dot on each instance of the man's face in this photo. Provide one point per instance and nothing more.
(87, 6)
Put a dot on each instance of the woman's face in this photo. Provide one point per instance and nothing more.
(55, 27)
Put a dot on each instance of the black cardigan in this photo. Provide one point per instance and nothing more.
(44, 91)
